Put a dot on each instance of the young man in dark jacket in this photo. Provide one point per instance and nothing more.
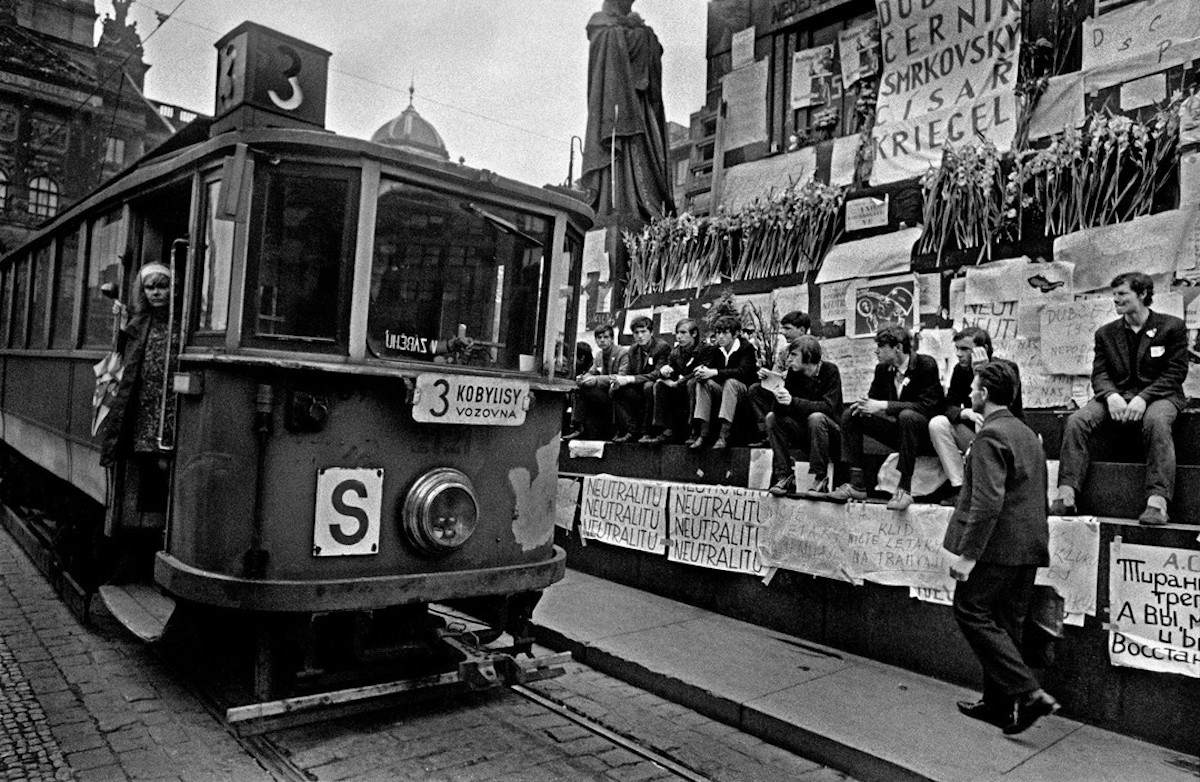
(806, 413)
(727, 371)
(633, 393)
(905, 393)
(675, 388)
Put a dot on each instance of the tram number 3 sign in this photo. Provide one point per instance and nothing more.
(467, 399)
(348, 511)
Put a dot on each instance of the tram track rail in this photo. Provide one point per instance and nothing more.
(322, 707)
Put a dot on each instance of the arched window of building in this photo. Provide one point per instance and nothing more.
(43, 197)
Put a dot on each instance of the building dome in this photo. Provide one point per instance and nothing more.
(412, 132)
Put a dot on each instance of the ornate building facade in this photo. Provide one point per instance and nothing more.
(72, 109)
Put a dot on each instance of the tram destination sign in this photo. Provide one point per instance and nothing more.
(470, 399)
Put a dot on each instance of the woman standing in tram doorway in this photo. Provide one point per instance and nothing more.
(139, 430)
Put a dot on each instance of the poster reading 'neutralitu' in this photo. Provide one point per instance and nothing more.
(624, 512)
(1154, 594)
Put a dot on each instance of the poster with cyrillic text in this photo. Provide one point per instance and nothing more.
(624, 512)
(949, 71)
(1154, 594)
(1074, 565)
(717, 527)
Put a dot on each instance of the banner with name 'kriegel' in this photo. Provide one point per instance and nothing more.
(949, 72)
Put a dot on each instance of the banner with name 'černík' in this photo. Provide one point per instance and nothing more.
(949, 71)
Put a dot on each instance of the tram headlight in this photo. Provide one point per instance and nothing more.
(440, 512)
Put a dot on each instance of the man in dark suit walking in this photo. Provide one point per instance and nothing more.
(1000, 534)
(1137, 376)
(905, 393)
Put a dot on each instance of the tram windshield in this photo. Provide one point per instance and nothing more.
(454, 281)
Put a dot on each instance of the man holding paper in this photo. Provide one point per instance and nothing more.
(808, 404)
(1137, 375)
(762, 399)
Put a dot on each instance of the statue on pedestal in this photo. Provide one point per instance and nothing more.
(625, 147)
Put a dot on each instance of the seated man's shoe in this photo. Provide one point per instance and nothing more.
(847, 492)
(648, 439)
(784, 486)
(696, 443)
(1060, 508)
(900, 500)
(950, 498)
(820, 485)
(622, 438)
(762, 443)
(987, 712)
(577, 434)
(720, 444)
(664, 436)
(1152, 517)
(1029, 710)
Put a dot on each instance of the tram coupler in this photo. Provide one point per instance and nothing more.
(484, 669)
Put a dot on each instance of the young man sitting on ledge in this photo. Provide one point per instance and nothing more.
(726, 372)
(905, 393)
(1137, 375)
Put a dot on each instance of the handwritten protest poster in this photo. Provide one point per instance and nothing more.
(1154, 244)
(1019, 279)
(887, 302)
(1138, 28)
(860, 542)
(1068, 334)
(833, 300)
(808, 537)
(624, 512)
(669, 317)
(1154, 593)
(998, 318)
(812, 77)
(1039, 389)
(858, 48)
(566, 503)
(949, 69)
(717, 527)
(855, 359)
(1074, 565)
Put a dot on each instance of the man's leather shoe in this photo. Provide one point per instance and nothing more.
(1152, 517)
(1029, 710)
(720, 444)
(900, 500)
(1060, 508)
(986, 712)
(847, 492)
(784, 486)
(575, 435)
(622, 438)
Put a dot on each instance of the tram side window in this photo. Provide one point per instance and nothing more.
(300, 259)
(445, 267)
(63, 300)
(20, 303)
(40, 282)
(217, 259)
(103, 266)
(567, 306)
(6, 276)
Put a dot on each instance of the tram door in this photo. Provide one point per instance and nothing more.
(141, 477)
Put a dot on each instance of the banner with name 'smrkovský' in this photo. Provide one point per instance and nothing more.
(949, 73)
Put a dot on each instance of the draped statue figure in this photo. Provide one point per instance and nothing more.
(625, 147)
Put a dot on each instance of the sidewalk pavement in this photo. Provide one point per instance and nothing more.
(870, 720)
(94, 704)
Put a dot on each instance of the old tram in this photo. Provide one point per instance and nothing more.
(368, 387)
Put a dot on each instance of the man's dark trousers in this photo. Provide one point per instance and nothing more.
(990, 608)
(817, 433)
(907, 432)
